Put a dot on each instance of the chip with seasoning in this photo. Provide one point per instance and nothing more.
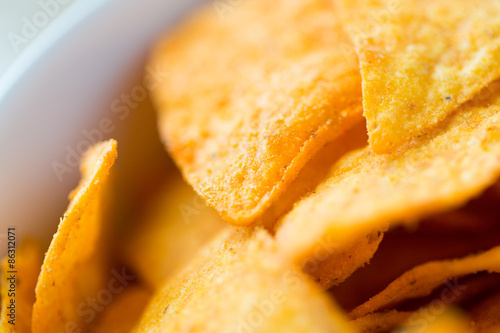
(420, 60)
(458, 161)
(242, 121)
(321, 219)
(74, 266)
(447, 320)
(245, 285)
(379, 322)
(423, 279)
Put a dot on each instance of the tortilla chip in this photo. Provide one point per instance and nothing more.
(452, 299)
(365, 191)
(246, 286)
(404, 248)
(333, 263)
(423, 279)
(336, 262)
(424, 320)
(73, 268)
(420, 60)
(314, 172)
(25, 270)
(174, 228)
(448, 320)
(380, 322)
(124, 312)
(242, 120)
(486, 315)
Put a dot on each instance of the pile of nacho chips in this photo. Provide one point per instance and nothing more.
(338, 170)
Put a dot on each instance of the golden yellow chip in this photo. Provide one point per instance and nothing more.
(246, 286)
(380, 322)
(364, 191)
(422, 280)
(19, 276)
(245, 102)
(405, 248)
(314, 172)
(124, 312)
(446, 320)
(73, 268)
(333, 262)
(486, 315)
(424, 320)
(174, 228)
(420, 60)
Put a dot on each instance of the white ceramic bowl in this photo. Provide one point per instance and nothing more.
(63, 84)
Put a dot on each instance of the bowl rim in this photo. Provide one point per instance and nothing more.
(73, 15)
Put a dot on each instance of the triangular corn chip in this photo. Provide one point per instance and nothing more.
(245, 102)
(423, 320)
(314, 172)
(404, 248)
(334, 261)
(446, 320)
(73, 268)
(420, 60)
(423, 279)
(380, 322)
(22, 271)
(246, 286)
(176, 225)
(436, 172)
